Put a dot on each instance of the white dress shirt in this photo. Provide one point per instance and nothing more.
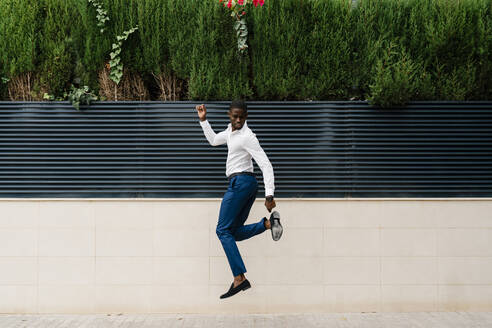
(242, 145)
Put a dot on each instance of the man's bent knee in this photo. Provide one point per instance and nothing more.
(223, 233)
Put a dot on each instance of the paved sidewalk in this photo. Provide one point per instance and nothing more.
(305, 320)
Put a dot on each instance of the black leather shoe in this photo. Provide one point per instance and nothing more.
(234, 290)
(275, 226)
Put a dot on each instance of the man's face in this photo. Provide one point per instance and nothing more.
(238, 117)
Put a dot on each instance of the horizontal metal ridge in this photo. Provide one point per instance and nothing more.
(317, 149)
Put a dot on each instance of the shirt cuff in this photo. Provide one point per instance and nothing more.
(268, 192)
(204, 123)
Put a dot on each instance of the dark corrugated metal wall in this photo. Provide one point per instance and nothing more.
(318, 149)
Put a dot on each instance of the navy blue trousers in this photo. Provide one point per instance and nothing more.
(234, 210)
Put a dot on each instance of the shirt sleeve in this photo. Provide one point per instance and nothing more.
(213, 138)
(253, 147)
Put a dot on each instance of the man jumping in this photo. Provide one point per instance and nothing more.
(241, 192)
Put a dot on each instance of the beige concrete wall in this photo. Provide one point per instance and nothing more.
(162, 255)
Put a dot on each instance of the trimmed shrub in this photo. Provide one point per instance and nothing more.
(217, 71)
(18, 47)
(329, 55)
(386, 51)
(280, 47)
(57, 51)
(394, 80)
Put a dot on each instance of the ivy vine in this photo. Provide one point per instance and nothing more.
(102, 14)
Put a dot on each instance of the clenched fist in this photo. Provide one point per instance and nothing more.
(270, 204)
(202, 112)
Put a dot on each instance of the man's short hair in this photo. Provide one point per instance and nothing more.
(239, 103)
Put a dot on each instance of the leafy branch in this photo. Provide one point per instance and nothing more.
(102, 14)
(76, 96)
(115, 63)
(238, 10)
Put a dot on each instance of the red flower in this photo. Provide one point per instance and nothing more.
(242, 3)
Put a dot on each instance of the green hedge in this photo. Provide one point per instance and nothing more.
(384, 51)
(18, 39)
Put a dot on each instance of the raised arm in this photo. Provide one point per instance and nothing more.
(213, 138)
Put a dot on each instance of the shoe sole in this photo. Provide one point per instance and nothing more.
(277, 229)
